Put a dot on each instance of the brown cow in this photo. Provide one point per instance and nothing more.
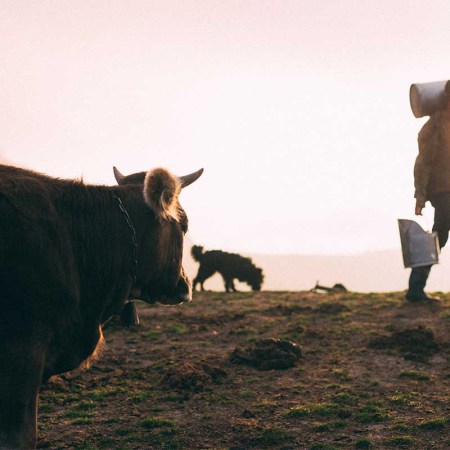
(71, 255)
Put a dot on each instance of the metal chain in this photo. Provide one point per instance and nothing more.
(133, 238)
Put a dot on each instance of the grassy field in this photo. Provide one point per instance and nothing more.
(373, 374)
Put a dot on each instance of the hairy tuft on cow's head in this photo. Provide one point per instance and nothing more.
(161, 190)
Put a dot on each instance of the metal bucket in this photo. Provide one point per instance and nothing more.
(426, 98)
(419, 247)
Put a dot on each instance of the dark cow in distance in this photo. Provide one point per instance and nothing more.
(71, 255)
(230, 265)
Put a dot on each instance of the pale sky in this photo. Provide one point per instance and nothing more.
(297, 110)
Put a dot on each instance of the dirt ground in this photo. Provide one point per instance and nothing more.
(279, 370)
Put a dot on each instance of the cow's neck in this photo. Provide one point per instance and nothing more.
(101, 246)
(133, 241)
(129, 316)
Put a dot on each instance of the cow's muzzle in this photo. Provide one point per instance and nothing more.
(181, 294)
(176, 299)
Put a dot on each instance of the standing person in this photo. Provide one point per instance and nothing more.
(432, 183)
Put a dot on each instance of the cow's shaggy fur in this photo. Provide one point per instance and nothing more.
(230, 265)
(71, 255)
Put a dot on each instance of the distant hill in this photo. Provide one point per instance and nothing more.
(381, 271)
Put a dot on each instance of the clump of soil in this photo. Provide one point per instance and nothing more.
(267, 354)
(286, 310)
(217, 319)
(332, 308)
(192, 377)
(414, 343)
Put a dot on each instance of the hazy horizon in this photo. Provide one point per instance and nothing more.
(298, 111)
(377, 271)
(299, 272)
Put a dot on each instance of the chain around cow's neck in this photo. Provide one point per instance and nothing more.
(129, 316)
(133, 239)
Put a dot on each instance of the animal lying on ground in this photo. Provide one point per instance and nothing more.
(71, 255)
(230, 265)
(338, 287)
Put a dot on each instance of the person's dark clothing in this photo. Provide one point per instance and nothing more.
(441, 204)
(419, 275)
(432, 183)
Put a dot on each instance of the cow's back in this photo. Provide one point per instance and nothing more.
(34, 254)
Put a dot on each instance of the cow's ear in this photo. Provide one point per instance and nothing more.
(161, 190)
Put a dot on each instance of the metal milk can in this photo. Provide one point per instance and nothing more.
(419, 247)
(426, 98)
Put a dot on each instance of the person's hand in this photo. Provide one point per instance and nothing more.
(419, 206)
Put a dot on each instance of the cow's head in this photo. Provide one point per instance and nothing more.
(256, 279)
(160, 275)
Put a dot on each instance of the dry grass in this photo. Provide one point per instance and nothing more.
(170, 384)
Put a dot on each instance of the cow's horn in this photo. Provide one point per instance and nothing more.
(118, 176)
(189, 179)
